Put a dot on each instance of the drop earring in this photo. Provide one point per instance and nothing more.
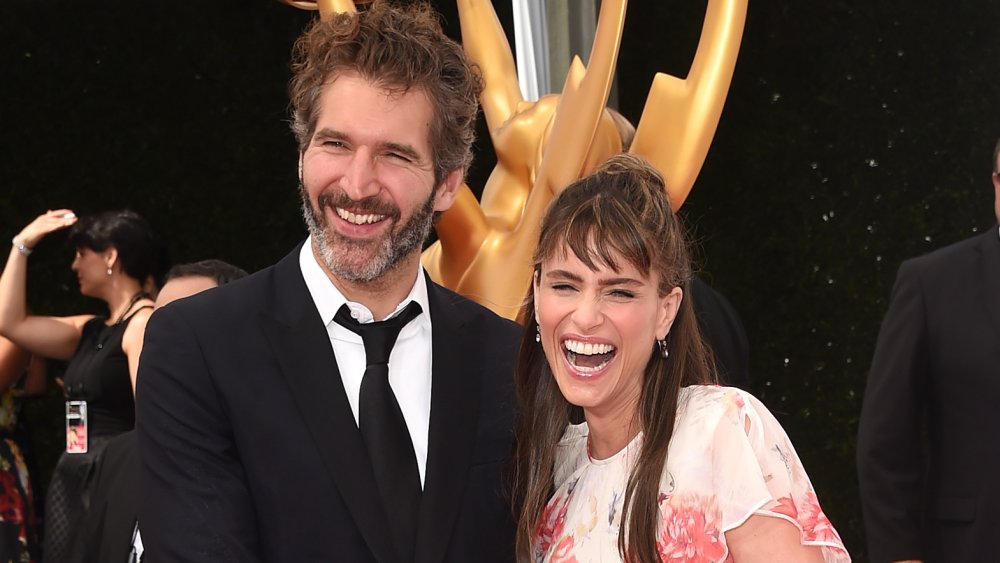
(538, 333)
(662, 343)
(109, 271)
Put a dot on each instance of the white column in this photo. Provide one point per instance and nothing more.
(531, 48)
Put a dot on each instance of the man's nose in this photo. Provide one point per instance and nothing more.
(360, 178)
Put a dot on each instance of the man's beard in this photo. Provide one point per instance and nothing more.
(364, 260)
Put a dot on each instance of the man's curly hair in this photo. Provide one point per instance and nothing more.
(400, 49)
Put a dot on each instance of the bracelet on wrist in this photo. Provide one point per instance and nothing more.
(21, 247)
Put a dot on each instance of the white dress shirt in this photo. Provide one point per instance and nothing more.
(409, 362)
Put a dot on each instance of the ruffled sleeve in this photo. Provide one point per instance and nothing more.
(755, 470)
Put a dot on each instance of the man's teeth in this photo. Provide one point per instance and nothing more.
(587, 348)
(358, 219)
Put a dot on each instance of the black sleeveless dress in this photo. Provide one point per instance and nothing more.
(97, 373)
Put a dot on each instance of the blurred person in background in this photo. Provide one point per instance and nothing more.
(21, 374)
(116, 260)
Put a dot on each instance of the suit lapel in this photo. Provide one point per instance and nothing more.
(302, 348)
(989, 256)
(454, 419)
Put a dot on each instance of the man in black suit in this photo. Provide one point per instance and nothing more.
(723, 330)
(262, 436)
(927, 447)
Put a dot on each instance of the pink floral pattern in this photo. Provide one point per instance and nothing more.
(816, 527)
(729, 459)
(553, 520)
(564, 551)
(690, 533)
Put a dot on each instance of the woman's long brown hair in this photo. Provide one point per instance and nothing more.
(619, 213)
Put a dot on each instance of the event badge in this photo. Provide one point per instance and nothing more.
(76, 427)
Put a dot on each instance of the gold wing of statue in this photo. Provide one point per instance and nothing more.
(485, 247)
(326, 7)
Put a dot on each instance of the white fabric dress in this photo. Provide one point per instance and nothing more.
(728, 460)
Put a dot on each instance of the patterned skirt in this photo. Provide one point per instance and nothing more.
(18, 541)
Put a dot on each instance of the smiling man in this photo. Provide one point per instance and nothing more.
(339, 405)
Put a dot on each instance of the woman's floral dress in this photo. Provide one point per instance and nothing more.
(18, 543)
(729, 459)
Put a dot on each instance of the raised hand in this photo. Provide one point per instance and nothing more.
(48, 222)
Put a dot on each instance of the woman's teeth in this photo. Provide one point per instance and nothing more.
(588, 357)
(587, 348)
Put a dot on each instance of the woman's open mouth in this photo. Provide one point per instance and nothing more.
(588, 358)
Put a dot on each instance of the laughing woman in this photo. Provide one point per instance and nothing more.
(663, 466)
(115, 257)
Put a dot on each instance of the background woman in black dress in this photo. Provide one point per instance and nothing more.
(116, 259)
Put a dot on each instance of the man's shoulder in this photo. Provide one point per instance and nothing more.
(237, 299)
(950, 256)
(233, 296)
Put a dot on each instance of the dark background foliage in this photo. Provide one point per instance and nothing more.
(856, 134)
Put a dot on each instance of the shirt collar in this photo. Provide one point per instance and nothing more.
(329, 299)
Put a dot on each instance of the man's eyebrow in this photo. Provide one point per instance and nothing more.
(328, 133)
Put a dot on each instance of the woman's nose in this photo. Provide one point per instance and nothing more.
(588, 314)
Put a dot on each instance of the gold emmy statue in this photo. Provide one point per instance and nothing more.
(484, 247)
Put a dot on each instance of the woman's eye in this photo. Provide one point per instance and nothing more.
(562, 287)
(622, 293)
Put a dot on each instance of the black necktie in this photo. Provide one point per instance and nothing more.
(383, 428)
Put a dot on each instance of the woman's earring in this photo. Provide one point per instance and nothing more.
(538, 333)
(109, 271)
(662, 343)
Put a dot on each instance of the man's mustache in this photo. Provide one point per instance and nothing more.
(369, 205)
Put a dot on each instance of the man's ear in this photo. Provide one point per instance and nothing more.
(448, 190)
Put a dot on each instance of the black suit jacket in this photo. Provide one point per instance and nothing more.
(934, 386)
(723, 330)
(249, 450)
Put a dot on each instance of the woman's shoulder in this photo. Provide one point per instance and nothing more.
(712, 409)
(713, 401)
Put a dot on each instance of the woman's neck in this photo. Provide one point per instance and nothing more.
(609, 435)
(121, 297)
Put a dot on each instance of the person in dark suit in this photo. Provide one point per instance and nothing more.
(109, 532)
(268, 428)
(723, 331)
(927, 456)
